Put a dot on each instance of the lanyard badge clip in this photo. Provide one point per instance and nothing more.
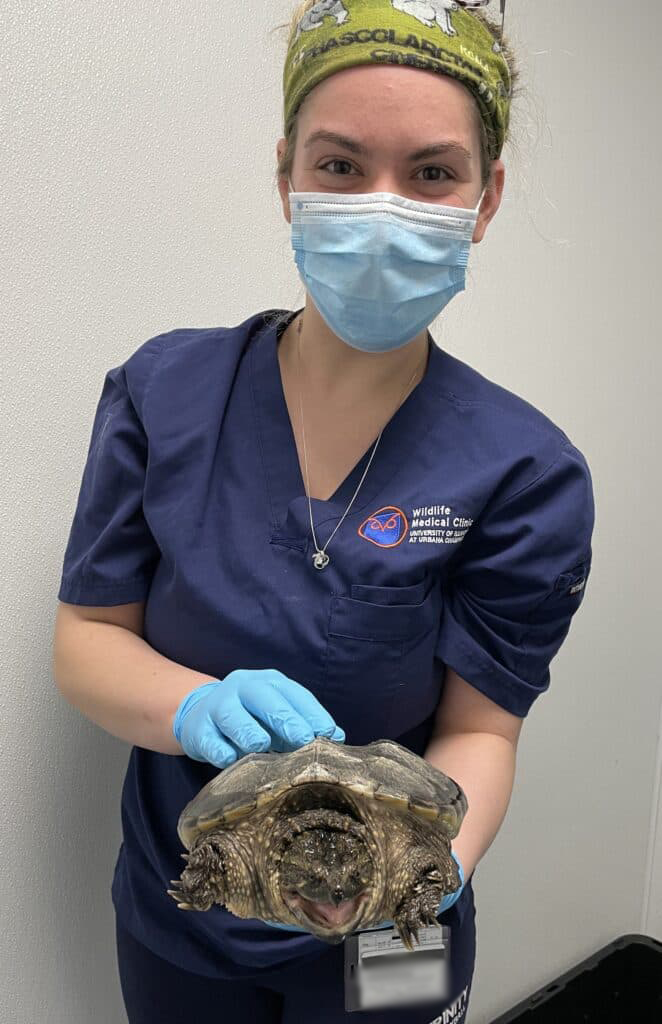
(380, 972)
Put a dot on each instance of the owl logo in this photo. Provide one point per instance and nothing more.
(386, 528)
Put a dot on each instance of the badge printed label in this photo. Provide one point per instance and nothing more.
(381, 973)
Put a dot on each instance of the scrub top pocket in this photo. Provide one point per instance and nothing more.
(379, 671)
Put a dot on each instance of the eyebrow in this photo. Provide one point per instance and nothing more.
(448, 147)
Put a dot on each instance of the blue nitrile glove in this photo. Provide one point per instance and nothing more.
(452, 897)
(288, 927)
(250, 710)
(447, 901)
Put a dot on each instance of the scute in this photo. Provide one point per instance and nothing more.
(383, 769)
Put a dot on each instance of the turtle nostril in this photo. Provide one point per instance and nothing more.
(337, 896)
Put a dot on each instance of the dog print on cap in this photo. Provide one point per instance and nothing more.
(427, 12)
(314, 18)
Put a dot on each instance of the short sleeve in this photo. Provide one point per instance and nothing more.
(111, 554)
(520, 576)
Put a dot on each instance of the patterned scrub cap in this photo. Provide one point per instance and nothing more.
(435, 35)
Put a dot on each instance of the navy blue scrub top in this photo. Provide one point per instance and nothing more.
(469, 545)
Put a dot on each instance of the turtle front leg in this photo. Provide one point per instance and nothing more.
(422, 887)
(204, 881)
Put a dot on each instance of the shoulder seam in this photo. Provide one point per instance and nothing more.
(496, 405)
(161, 338)
(522, 490)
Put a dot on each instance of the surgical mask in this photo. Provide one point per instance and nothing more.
(379, 267)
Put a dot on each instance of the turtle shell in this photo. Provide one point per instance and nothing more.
(380, 771)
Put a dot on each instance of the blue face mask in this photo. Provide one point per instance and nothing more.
(379, 267)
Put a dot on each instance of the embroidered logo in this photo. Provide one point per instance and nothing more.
(574, 580)
(438, 524)
(387, 527)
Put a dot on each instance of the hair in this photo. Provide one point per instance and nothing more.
(486, 135)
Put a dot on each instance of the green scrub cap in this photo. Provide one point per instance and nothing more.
(435, 35)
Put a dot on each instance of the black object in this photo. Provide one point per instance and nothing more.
(620, 984)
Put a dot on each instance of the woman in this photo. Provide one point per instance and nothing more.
(319, 521)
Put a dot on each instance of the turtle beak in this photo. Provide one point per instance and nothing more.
(334, 915)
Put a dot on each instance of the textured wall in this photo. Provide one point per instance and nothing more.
(137, 150)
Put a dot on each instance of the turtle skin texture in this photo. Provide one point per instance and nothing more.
(330, 837)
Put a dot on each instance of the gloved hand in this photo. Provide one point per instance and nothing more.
(250, 710)
(447, 901)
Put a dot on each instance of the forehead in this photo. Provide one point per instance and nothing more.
(382, 101)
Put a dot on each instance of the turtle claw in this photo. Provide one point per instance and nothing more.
(178, 896)
(411, 919)
(406, 932)
(429, 917)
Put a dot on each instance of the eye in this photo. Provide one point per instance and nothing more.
(434, 167)
(437, 179)
(323, 167)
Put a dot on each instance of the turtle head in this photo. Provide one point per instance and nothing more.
(326, 871)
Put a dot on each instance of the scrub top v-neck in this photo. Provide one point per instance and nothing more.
(285, 484)
(468, 546)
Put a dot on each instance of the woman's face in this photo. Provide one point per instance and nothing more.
(386, 114)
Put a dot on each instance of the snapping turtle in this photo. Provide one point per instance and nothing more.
(329, 837)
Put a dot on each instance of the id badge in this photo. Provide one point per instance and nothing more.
(381, 973)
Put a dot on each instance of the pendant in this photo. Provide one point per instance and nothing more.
(320, 559)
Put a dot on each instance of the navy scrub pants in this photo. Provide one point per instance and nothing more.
(156, 990)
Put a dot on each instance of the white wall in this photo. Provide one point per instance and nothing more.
(137, 189)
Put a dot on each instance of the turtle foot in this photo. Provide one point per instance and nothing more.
(419, 910)
(203, 881)
(421, 900)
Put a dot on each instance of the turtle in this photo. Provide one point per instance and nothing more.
(329, 837)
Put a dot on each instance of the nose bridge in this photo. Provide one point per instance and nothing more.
(385, 170)
(381, 174)
(384, 180)
(385, 174)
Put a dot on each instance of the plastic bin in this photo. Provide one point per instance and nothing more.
(620, 984)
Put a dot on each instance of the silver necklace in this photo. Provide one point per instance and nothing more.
(320, 558)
